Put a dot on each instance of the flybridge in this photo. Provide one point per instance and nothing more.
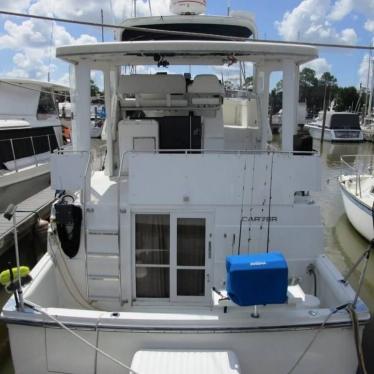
(190, 23)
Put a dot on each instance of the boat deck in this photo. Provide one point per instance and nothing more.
(39, 203)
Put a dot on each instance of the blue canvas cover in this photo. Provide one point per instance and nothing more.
(257, 279)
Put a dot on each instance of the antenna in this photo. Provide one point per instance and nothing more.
(102, 22)
(228, 7)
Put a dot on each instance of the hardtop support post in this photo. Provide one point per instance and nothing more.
(262, 89)
(81, 122)
(290, 75)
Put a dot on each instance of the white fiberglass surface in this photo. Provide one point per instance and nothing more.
(48, 289)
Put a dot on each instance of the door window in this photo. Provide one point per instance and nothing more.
(190, 256)
(152, 255)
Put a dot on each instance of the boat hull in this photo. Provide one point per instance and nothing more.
(42, 349)
(358, 213)
(18, 186)
(335, 135)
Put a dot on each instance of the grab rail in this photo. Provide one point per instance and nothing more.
(212, 151)
(34, 153)
(356, 169)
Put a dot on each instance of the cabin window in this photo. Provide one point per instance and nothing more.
(46, 106)
(152, 255)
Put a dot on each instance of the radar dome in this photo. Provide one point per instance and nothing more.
(187, 7)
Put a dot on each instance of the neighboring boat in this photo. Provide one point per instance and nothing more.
(368, 129)
(29, 131)
(97, 116)
(339, 127)
(197, 249)
(358, 194)
(276, 119)
(276, 122)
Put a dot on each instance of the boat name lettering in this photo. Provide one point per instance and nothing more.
(260, 219)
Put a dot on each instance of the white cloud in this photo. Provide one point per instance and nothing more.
(15, 5)
(319, 65)
(34, 50)
(309, 22)
(342, 8)
(363, 71)
(34, 46)
(369, 25)
(89, 10)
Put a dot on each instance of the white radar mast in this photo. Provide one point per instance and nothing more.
(182, 7)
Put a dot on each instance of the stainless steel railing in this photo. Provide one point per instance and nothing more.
(212, 151)
(361, 165)
(12, 142)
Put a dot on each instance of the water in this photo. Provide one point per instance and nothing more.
(343, 244)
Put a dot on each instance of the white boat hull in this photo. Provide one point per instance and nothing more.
(335, 135)
(358, 213)
(39, 350)
(41, 346)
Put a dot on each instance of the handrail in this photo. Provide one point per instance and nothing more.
(356, 170)
(34, 153)
(26, 137)
(212, 151)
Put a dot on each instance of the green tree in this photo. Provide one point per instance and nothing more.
(248, 82)
(95, 91)
(346, 99)
(308, 78)
(328, 78)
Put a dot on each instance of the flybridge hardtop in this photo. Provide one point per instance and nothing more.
(187, 52)
(34, 82)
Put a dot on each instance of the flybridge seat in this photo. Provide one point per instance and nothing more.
(206, 90)
(169, 91)
(185, 362)
(153, 90)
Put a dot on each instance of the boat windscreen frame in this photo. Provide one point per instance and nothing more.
(211, 29)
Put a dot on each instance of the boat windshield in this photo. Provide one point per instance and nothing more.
(345, 122)
(46, 106)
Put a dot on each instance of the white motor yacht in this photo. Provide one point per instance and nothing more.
(339, 127)
(357, 189)
(197, 249)
(29, 131)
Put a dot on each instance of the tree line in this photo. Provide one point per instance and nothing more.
(313, 91)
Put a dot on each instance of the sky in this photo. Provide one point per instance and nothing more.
(27, 46)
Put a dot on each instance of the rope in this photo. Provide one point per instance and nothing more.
(320, 328)
(184, 33)
(270, 200)
(356, 333)
(242, 207)
(39, 309)
(85, 304)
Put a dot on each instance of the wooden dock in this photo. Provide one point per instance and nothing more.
(40, 203)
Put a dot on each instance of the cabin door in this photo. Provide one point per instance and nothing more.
(191, 243)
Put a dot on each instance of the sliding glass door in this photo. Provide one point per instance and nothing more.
(172, 257)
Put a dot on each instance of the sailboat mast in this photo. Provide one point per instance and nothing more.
(370, 104)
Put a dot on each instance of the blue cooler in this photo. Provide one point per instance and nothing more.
(257, 279)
